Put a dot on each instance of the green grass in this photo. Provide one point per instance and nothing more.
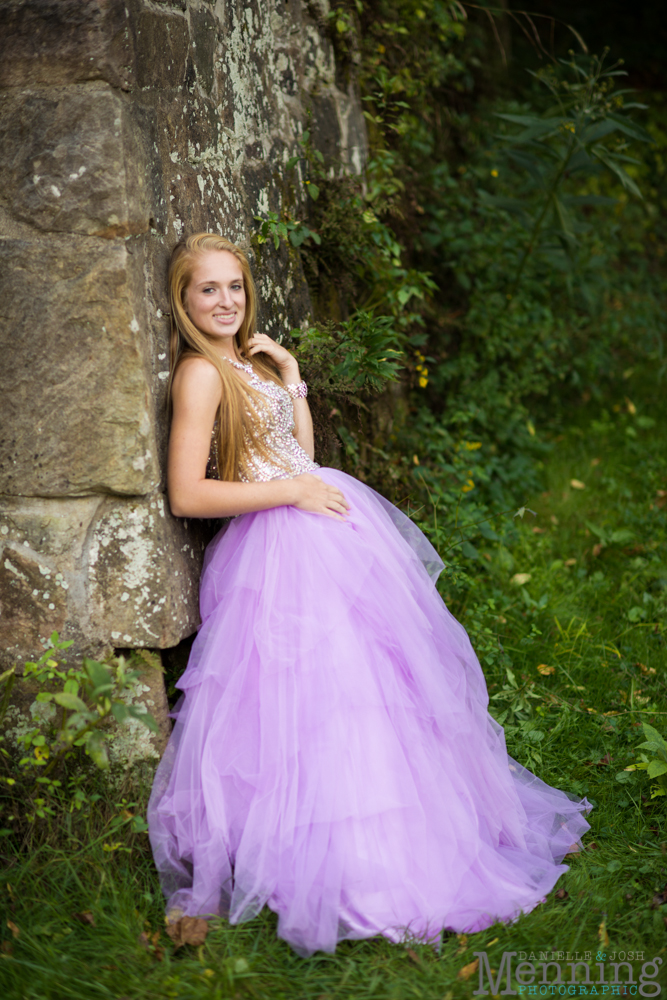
(596, 615)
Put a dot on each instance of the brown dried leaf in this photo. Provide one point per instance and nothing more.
(412, 954)
(7, 948)
(597, 549)
(468, 970)
(13, 928)
(659, 899)
(603, 937)
(152, 944)
(545, 670)
(188, 930)
(85, 917)
(562, 894)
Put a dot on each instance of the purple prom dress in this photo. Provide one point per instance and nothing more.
(333, 756)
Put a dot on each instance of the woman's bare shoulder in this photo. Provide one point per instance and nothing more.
(196, 376)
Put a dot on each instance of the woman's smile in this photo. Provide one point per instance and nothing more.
(216, 297)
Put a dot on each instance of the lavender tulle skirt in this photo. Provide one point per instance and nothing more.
(333, 756)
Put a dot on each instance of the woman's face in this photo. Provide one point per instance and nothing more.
(215, 297)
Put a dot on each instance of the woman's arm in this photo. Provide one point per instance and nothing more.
(196, 397)
(289, 373)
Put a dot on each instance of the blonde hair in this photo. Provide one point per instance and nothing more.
(240, 419)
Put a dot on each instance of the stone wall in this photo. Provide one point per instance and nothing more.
(124, 124)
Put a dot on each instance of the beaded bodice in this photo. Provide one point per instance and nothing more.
(290, 458)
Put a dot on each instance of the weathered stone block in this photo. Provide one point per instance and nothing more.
(33, 604)
(72, 160)
(51, 42)
(104, 572)
(162, 46)
(143, 569)
(81, 414)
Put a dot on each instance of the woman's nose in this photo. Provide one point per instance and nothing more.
(225, 297)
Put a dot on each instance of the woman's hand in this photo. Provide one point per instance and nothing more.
(318, 497)
(286, 362)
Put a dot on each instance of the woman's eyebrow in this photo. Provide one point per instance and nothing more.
(233, 281)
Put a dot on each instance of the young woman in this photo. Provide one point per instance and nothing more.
(333, 756)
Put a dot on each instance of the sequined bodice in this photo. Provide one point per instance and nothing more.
(291, 459)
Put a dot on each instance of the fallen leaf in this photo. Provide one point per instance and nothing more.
(152, 943)
(603, 937)
(463, 943)
(570, 562)
(85, 917)
(520, 578)
(188, 930)
(412, 954)
(562, 894)
(577, 484)
(595, 461)
(13, 928)
(631, 406)
(659, 899)
(539, 531)
(597, 549)
(554, 519)
(468, 970)
(7, 948)
(546, 670)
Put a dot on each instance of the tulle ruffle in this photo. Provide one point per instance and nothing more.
(333, 756)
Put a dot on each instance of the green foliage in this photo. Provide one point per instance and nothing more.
(655, 765)
(361, 354)
(558, 153)
(276, 229)
(86, 699)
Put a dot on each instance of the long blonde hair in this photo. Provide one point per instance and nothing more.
(240, 417)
